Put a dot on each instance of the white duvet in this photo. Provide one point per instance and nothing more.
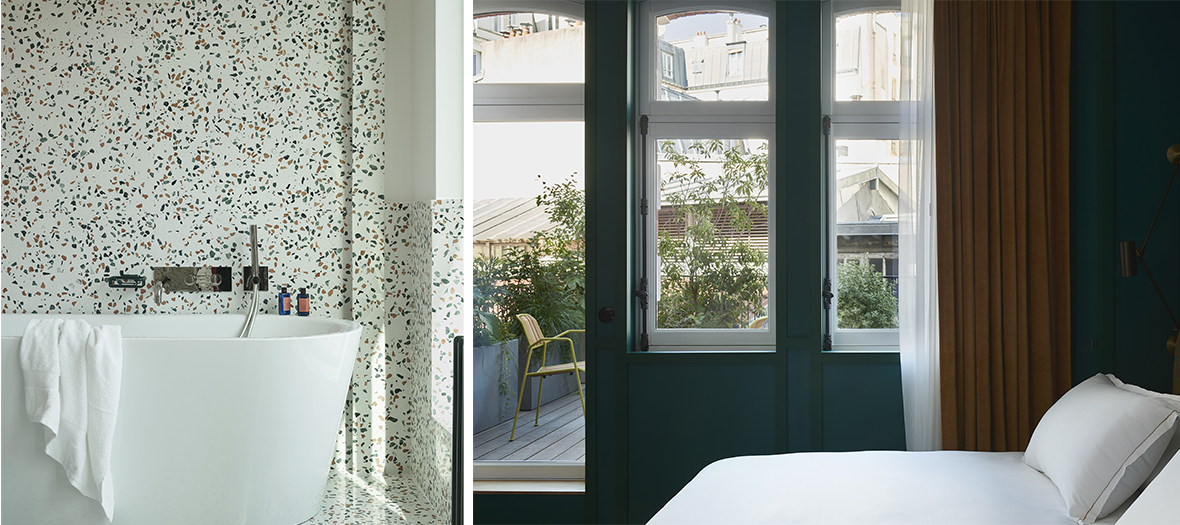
(878, 487)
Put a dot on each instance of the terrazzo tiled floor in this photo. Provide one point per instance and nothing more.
(349, 500)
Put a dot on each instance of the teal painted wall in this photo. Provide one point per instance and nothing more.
(685, 415)
(1124, 118)
(1146, 122)
(527, 509)
(862, 407)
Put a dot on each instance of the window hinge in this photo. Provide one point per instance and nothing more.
(643, 206)
(827, 125)
(643, 125)
(827, 342)
(827, 294)
(644, 343)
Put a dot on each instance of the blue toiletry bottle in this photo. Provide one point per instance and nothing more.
(284, 302)
(303, 302)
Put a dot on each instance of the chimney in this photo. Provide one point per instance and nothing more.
(733, 31)
(700, 40)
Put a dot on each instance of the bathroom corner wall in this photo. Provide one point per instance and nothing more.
(433, 449)
(427, 63)
(408, 335)
(423, 286)
(446, 302)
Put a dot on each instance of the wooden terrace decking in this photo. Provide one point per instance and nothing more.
(561, 435)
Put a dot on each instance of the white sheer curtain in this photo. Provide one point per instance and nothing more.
(918, 276)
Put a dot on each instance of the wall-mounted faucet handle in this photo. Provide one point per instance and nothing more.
(254, 257)
(248, 278)
(158, 290)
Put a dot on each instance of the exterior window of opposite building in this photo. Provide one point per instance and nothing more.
(735, 62)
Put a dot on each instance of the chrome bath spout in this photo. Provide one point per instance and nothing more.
(253, 284)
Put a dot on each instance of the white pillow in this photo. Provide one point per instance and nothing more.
(1159, 502)
(1170, 448)
(1088, 439)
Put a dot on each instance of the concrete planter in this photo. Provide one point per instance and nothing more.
(489, 403)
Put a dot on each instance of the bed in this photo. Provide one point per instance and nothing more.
(1063, 478)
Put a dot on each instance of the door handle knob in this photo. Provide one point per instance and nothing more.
(606, 314)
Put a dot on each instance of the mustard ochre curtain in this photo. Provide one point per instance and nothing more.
(1002, 87)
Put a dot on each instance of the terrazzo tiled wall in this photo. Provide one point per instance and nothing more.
(153, 133)
(432, 446)
(140, 134)
(446, 301)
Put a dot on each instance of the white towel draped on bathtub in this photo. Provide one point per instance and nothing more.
(72, 378)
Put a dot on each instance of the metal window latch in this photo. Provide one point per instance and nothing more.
(641, 293)
(827, 294)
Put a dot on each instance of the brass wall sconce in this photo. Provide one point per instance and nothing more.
(1131, 258)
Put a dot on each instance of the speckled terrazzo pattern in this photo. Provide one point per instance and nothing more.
(416, 334)
(361, 446)
(153, 133)
(435, 483)
(446, 322)
(351, 500)
(446, 302)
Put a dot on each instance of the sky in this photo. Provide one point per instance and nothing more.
(711, 24)
(509, 156)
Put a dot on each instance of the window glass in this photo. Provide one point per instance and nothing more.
(529, 258)
(867, 64)
(865, 203)
(712, 235)
(528, 48)
(716, 55)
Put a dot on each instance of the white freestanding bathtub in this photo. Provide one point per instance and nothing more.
(211, 429)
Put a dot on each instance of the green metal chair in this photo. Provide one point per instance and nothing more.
(536, 339)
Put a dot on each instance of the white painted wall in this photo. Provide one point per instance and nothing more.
(427, 98)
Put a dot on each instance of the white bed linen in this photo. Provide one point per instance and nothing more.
(876, 487)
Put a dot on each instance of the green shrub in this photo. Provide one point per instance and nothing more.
(709, 279)
(546, 280)
(866, 299)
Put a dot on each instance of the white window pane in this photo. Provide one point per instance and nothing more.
(717, 55)
(865, 203)
(712, 234)
(529, 48)
(736, 60)
(867, 56)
